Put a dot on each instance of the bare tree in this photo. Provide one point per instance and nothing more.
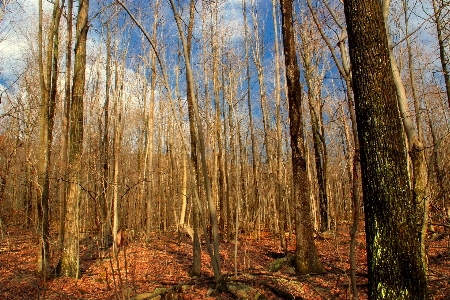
(70, 255)
(307, 259)
(415, 141)
(48, 84)
(393, 249)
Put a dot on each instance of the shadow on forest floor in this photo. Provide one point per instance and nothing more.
(162, 266)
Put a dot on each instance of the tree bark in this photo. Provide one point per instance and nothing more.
(70, 255)
(307, 259)
(48, 86)
(393, 247)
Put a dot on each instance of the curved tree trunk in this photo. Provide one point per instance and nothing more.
(415, 143)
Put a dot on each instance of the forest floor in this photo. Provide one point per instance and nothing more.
(161, 266)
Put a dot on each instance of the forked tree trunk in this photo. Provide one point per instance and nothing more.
(319, 145)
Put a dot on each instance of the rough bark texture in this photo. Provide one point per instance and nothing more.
(70, 255)
(393, 246)
(307, 260)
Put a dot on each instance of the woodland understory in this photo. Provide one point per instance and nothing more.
(161, 266)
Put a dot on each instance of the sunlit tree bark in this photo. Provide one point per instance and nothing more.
(393, 247)
(70, 255)
(416, 147)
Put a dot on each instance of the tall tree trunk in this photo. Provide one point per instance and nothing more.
(215, 258)
(219, 147)
(116, 154)
(48, 85)
(280, 187)
(255, 190)
(196, 249)
(393, 248)
(307, 259)
(442, 52)
(65, 125)
(105, 212)
(415, 144)
(150, 132)
(319, 145)
(70, 255)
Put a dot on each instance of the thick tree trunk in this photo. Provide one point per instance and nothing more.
(70, 255)
(393, 247)
(307, 259)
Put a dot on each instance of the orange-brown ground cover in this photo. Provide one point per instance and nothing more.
(165, 262)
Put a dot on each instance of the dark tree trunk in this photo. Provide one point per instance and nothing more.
(104, 149)
(393, 246)
(48, 84)
(307, 259)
